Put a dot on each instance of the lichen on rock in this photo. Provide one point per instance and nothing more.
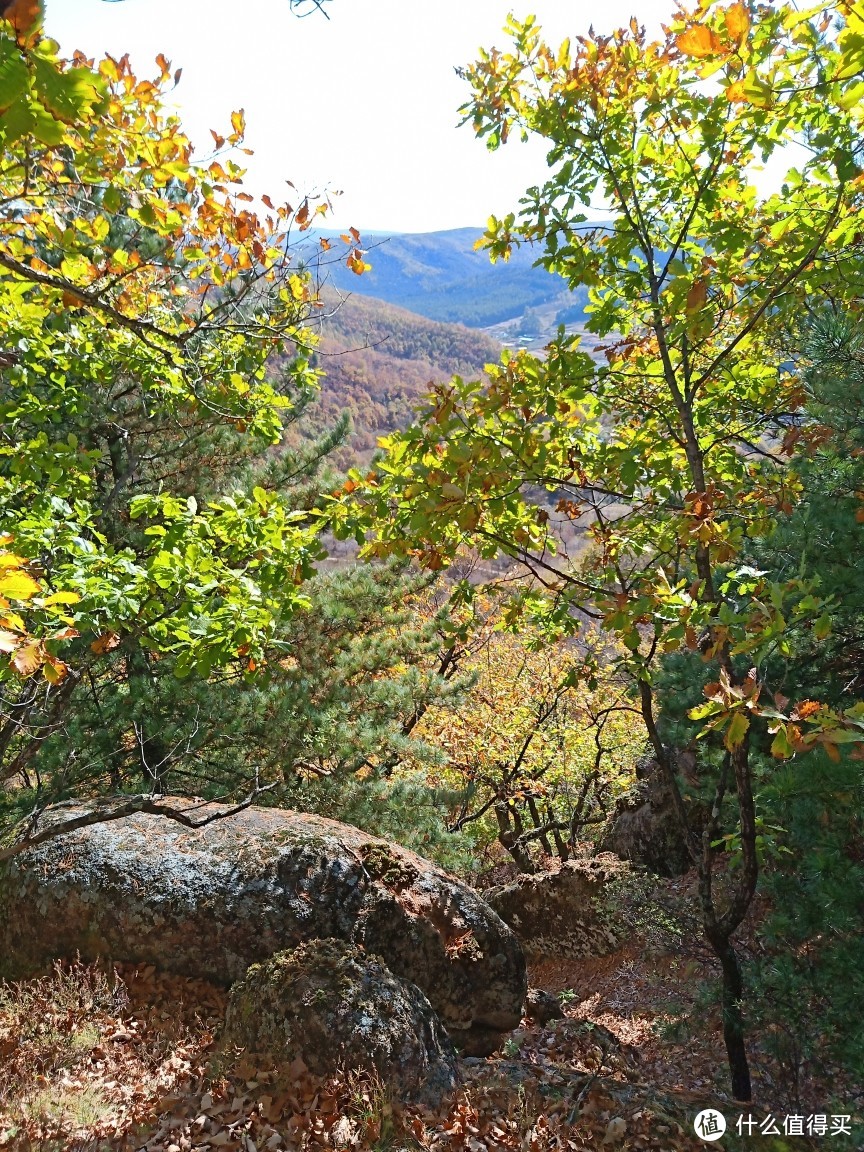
(208, 902)
(335, 1006)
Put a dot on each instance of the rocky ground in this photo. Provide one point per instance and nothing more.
(91, 1061)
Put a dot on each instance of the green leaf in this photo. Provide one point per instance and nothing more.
(67, 95)
(822, 627)
(14, 77)
(737, 730)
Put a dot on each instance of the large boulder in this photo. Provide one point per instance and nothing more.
(563, 912)
(210, 901)
(644, 827)
(336, 1006)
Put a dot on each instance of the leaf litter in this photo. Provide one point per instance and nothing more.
(128, 1060)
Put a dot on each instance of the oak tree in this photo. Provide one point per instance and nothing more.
(669, 452)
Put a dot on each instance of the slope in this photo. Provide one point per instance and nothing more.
(379, 361)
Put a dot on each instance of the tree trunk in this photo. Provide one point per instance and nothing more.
(733, 1023)
(508, 837)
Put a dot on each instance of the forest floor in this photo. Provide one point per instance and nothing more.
(131, 1061)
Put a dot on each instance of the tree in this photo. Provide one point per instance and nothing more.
(666, 454)
(159, 604)
(534, 755)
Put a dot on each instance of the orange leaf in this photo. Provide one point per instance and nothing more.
(736, 93)
(696, 298)
(697, 41)
(737, 21)
(303, 215)
(23, 15)
(105, 643)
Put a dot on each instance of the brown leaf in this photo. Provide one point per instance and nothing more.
(23, 15)
(26, 659)
(696, 297)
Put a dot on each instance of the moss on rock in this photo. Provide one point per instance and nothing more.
(335, 1006)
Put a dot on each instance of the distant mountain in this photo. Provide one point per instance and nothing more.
(440, 276)
(380, 361)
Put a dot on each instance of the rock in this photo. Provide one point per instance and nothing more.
(541, 1007)
(562, 912)
(644, 827)
(208, 902)
(336, 1006)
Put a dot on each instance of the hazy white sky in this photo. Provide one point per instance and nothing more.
(365, 102)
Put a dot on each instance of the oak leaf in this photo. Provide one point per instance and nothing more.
(737, 21)
(697, 41)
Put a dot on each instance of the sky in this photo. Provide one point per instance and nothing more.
(365, 102)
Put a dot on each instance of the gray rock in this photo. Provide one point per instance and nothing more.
(211, 901)
(563, 912)
(644, 827)
(541, 1006)
(336, 1006)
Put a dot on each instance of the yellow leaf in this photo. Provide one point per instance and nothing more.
(737, 21)
(61, 598)
(10, 560)
(697, 41)
(736, 731)
(54, 670)
(18, 586)
(238, 122)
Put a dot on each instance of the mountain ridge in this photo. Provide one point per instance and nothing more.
(441, 276)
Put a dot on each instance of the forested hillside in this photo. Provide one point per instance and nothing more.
(379, 361)
(442, 276)
(490, 781)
